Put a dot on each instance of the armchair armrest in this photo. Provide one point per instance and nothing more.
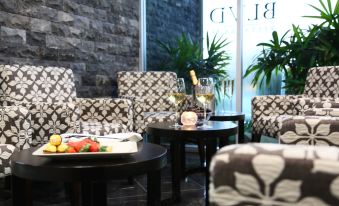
(272, 105)
(15, 126)
(6, 150)
(280, 174)
(139, 107)
(106, 110)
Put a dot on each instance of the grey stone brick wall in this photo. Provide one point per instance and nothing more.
(95, 38)
(166, 20)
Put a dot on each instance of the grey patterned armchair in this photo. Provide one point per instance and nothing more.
(49, 95)
(149, 92)
(275, 174)
(311, 118)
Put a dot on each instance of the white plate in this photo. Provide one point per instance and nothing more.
(118, 149)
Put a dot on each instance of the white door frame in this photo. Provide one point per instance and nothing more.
(142, 36)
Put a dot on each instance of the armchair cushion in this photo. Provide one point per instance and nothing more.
(152, 117)
(6, 151)
(272, 174)
(310, 130)
(105, 111)
(101, 128)
(52, 118)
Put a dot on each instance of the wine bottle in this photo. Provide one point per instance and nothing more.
(194, 84)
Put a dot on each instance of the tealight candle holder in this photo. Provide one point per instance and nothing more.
(189, 118)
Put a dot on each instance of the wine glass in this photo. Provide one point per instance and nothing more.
(229, 90)
(177, 97)
(205, 94)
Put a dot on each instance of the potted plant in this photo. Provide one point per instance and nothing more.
(187, 54)
(298, 50)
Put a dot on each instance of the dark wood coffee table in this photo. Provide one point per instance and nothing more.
(234, 117)
(90, 175)
(218, 130)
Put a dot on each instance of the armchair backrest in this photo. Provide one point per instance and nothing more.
(322, 82)
(151, 87)
(36, 84)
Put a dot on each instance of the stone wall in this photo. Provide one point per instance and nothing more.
(166, 20)
(95, 38)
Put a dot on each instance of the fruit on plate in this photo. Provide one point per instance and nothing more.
(55, 140)
(85, 145)
(62, 148)
(49, 148)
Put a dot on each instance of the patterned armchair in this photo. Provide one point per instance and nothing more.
(15, 134)
(149, 92)
(311, 118)
(50, 97)
(274, 174)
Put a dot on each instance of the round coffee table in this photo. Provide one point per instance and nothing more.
(89, 175)
(177, 136)
(234, 117)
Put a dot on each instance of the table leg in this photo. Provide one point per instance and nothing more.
(86, 194)
(183, 159)
(241, 131)
(99, 192)
(154, 188)
(223, 141)
(21, 192)
(211, 145)
(176, 164)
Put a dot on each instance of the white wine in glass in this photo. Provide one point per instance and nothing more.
(205, 94)
(176, 97)
(205, 98)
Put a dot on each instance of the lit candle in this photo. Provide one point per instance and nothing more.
(189, 118)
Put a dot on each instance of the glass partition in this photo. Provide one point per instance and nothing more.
(260, 18)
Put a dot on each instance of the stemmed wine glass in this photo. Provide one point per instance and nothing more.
(229, 90)
(204, 93)
(177, 97)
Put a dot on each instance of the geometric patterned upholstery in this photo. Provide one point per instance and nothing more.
(36, 84)
(322, 86)
(105, 115)
(310, 130)
(322, 82)
(50, 96)
(15, 133)
(149, 92)
(275, 174)
(6, 151)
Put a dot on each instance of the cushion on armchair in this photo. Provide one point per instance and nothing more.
(108, 115)
(273, 174)
(310, 130)
(52, 118)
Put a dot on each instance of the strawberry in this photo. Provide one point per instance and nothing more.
(94, 147)
(70, 150)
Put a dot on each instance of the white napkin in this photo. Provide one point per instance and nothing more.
(118, 137)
